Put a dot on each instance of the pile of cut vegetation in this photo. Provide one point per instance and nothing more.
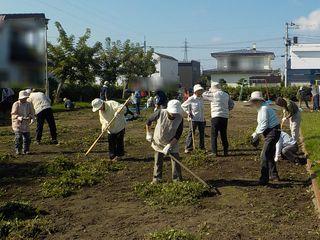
(19, 220)
(197, 158)
(175, 193)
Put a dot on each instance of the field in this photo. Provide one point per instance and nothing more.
(70, 196)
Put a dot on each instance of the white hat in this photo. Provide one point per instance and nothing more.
(96, 104)
(215, 85)
(256, 96)
(23, 95)
(174, 106)
(64, 99)
(197, 87)
(105, 83)
(28, 91)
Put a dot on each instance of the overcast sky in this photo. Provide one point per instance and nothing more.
(208, 25)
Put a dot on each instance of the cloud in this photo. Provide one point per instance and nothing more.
(311, 22)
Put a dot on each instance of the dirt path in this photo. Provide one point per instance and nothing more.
(110, 210)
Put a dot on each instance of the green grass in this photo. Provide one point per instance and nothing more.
(197, 158)
(59, 107)
(171, 234)
(174, 193)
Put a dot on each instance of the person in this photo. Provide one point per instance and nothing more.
(43, 111)
(107, 110)
(221, 104)
(136, 99)
(269, 127)
(68, 104)
(104, 91)
(292, 113)
(194, 107)
(22, 115)
(315, 97)
(165, 139)
(288, 148)
(302, 95)
(150, 102)
(160, 100)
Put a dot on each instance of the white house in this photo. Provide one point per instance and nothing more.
(22, 49)
(249, 64)
(166, 74)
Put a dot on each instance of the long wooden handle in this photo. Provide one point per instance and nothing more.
(104, 130)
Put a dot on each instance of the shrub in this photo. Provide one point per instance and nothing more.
(171, 234)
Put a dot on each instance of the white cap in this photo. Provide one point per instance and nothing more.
(64, 99)
(105, 83)
(28, 91)
(197, 87)
(23, 95)
(96, 104)
(256, 96)
(174, 106)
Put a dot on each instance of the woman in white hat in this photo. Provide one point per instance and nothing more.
(269, 127)
(22, 115)
(167, 132)
(194, 107)
(107, 110)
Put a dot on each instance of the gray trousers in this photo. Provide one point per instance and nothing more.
(158, 164)
(201, 127)
(290, 152)
(22, 140)
(295, 126)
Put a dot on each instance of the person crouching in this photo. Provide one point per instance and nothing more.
(269, 127)
(22, 115)
(164, 141)
(107, 110)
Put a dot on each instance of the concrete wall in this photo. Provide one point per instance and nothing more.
(305, 56)
(244, 63)
(232, 78)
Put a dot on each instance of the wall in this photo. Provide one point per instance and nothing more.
(232, 78)
(305, 56)
(244, 63)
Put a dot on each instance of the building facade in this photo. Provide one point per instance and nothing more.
(189, 73)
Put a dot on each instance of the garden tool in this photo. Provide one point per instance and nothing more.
(107, 127)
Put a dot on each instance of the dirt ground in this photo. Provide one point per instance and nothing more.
(111, 210)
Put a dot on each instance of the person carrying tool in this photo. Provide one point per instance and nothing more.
(291, 111)
(288, 148)
(107, 110)
(22, 115)
(269, 127)
(221, 104)
(165, 138)
(194, 107)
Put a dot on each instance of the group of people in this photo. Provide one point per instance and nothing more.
(309, 93)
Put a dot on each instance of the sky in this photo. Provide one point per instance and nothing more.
(207, 25)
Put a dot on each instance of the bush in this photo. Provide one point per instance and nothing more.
(171, 234)
(176, 193)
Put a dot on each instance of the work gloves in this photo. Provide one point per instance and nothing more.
(149, 137)
(20, 118)
(166, 149)
(255, 139)
(31, 121)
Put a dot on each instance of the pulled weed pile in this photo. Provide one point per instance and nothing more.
(197, 158)
(19, 220)
(171, 234)
(176, 193)
(67, 176)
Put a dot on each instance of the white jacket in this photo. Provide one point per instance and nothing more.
(221, 103)
(39, 101)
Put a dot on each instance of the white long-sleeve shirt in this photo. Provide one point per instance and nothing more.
(267, 118)
(284, 141)
(196, 106)
(39, 101)
(221, 103)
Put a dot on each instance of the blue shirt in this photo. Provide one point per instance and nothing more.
(267, 118)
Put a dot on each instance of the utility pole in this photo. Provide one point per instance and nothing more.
(46, 58)
(286, 55)
(144, 44)
(185, 59)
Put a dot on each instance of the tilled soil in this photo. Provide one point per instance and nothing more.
(111, 210)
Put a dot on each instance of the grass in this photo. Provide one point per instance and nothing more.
(175, 193)
(19, 220)
(171, 234)
(68, 177)
(197, 158)
(59, 107)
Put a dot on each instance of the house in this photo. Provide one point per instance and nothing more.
(243, 64)
(189, 73)
(166, 74)
(304, 64)
(22, 49)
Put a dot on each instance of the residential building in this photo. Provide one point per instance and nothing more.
(22, 49)
(189, 73)
(249, 64)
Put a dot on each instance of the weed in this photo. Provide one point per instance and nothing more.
(4, 158)
(176, 193)
(196, 158)
(17, 210)
(172, 234)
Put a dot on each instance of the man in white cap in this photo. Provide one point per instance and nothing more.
(194, 107)
(167, 132)
(221, 104)
(22, 115)
(107, 110)
(269, 127)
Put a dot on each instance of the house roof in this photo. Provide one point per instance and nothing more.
(242, 52)
(192, 62)
(253, 72)
(21, 15)
(165, 56)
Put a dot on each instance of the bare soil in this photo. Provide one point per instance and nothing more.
(111, 210)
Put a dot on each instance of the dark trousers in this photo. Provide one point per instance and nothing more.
(201, 127)
(47, 115)
(138, 107)
(219, 124)
(315, 102)
(290, 152)
(116, 144)
(268, 165)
